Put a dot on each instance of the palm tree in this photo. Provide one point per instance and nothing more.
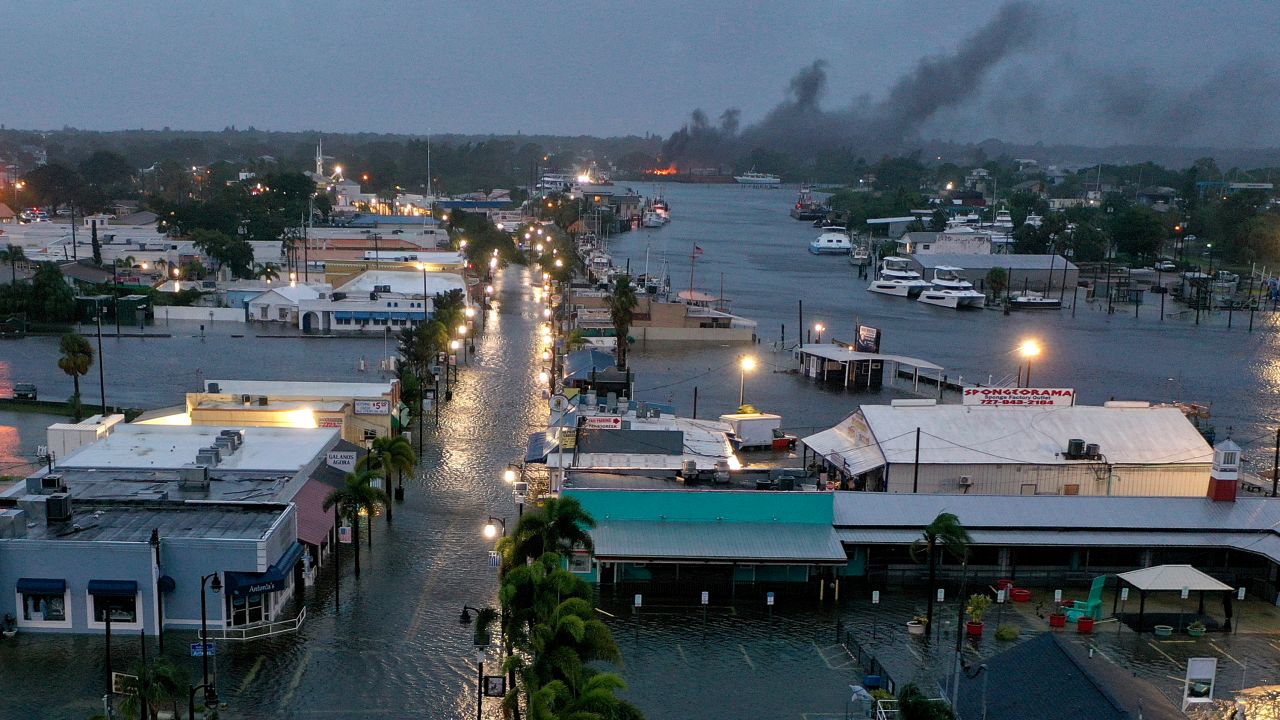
(357, 494)
(12, 254)
(268, 272)
(77, 358)
(159, 684)
(387, 454)
(622, 304)
(944, 534)
(559, 525)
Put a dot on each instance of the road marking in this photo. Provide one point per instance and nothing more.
(746, 657)
(1274, 645)
(253, 673)
(685, 658)
(827, 660)
(1225, 653)
(297, 679)
(1166, 655)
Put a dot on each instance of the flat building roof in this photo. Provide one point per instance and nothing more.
(170, 447)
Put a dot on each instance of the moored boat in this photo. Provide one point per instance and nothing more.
(834, 240)
(1030, 300)
(897, 278)
(950, 289)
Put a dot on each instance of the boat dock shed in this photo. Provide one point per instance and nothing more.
(839, 365)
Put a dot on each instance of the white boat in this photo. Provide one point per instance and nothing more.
(834, 240)
(652, 219)
(898, 279)
(1030, 300)
(860, 255)
(758, 178)
(950, 289)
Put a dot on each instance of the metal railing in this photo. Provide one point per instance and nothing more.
(253, 632)
(868, 662)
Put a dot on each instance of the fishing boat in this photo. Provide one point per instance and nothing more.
(950, 289)
(651, 219)
(1031, 300)
(758, 178)
(806, 208)
(860, 255)
(834, 240)
(897, 278)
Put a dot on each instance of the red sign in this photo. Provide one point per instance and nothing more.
(1019, 397)
(606, 422)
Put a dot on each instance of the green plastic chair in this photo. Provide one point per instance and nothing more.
(1091, 608)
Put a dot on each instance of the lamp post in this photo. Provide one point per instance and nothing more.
(462, 334)
(102, 381)
(465, 619)
(423, 268)
(155, 549)
(210, 692)
(510, 476)
(817, 329)
(745, 365)
(491, 527)
(453, 357)
(1028, 349)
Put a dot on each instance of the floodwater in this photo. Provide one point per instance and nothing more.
(395, 648)
(761, 256)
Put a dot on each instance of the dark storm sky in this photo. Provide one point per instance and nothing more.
(1089, 72)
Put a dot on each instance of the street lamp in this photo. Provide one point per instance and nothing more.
(1028, 350)
(509, 475)
(491, 527)
(745, 365)
(818, 328)
(210, 692)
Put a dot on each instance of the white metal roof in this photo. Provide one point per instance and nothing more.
(404, 282)
(966, 434)
(287, 293)
(169, 447)
(706, 443)
(1172, 577)
(299, 389)
(843, 447)
(717, 541)
(843, 354)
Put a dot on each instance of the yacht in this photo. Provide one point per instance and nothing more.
(860, 255)
(651, 219)
(897, 278)
(834, 240)
(758, 178)
(951, 289)
(1031, 300)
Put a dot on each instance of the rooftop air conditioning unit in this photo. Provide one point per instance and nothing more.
(58, 508)
(966, 481)
(194, 477)
(51, 482)
(245, 399)
(213, 387)
(262, 400)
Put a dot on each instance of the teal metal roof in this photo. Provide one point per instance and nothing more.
(661, 541)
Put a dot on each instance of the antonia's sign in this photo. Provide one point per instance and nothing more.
(1019, 396)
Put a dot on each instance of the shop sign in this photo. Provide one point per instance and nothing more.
(606, 422)
(373, 407)
(329, 422)
(1019, 397)
(341, 460)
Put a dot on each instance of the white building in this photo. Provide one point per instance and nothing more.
(280, 304)
(377, 299)
(961, 240)
(1001, 450)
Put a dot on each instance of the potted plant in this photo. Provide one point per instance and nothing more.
(1058, 618)
(1196, 629)
(977, 607)
(1163, 630)
(917, 625)
(1084, 625)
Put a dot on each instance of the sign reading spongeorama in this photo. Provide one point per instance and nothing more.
(1019, 396)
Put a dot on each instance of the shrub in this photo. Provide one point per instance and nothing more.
(1007, 632)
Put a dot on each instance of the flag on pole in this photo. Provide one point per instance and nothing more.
(697, 251)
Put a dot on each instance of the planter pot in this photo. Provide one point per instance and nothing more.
(1164, 631)
(973, 629)
(1057, 620)
(1195, 632)
(1084, 626)
(915, 628)
(1004, 584)
(1020, 595)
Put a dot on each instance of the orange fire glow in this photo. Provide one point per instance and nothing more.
(668, 170)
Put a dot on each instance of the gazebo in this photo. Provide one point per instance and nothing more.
(1170, 578)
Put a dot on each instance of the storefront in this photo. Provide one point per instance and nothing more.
(255, 598)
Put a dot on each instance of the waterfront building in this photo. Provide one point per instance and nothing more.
(280, 304)
(135, 515)
(1124, 448)
(1040, 273)
(377, 300)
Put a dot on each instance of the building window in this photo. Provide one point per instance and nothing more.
(44, 608)
(284, 313)
(580, 562)
(248, 610)
(123, 610)
(1229, 457)
(370, 435)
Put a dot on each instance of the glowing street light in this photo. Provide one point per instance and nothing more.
(538, 247)
(559, 263)
(493, 262)
(543, 377)
(462, 329)
(745, 365)
(818, 328)
(454, 345)
(488, 289)
(546, 312)
(1028, 350)
(509, 475)
(491, 527)
(462, 243)
(470, 312)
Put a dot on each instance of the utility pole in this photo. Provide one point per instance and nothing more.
(915, 472)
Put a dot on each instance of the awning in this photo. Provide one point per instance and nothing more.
(539, 446)
(113, 588)
(41, 586)
(717, 542)
(313, 520)
(1175, 578)
(275, 578)
(845, 451)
